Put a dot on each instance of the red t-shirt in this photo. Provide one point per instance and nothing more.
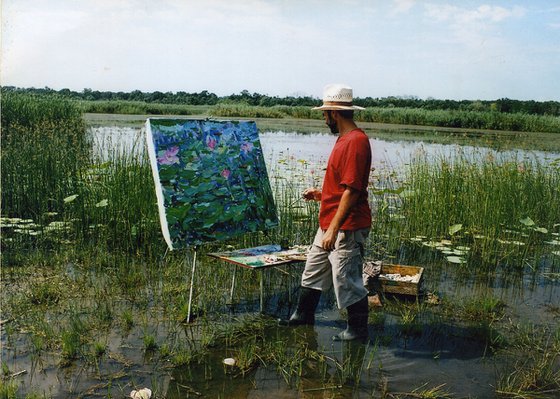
(349, 165)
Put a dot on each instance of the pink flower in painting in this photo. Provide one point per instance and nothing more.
(247, 147)
(226, 173)
(211, 142)
(170, 157)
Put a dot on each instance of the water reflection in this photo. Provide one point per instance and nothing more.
(315, 148)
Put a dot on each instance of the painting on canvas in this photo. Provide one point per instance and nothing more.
(211, 179)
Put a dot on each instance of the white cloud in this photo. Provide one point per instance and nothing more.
(484, 13)
(402, 6)
(473, 27)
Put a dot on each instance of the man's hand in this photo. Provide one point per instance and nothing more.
(329, 239)
(347, 201)
(312, 194)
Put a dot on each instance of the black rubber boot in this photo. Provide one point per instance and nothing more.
(357, 322)
(305, 310)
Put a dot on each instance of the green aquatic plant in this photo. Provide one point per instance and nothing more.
(72, 340)
(150, 343)
(9, 388)
(46, 143)
(493, 208)
(533, 371)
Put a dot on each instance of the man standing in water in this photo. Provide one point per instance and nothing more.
(335, 258)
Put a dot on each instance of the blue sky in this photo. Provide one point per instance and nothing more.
(441, 49)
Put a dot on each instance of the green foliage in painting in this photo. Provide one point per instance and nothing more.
(213, 179)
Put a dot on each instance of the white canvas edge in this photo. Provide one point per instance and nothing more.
(159, 191)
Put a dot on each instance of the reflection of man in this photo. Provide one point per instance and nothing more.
(344, 221)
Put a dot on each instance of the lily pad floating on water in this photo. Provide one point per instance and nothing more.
(456, 259)
(455, 228)
(70, 198)
(518, 243)
(102, 203)
(431, 244)
(527, 221)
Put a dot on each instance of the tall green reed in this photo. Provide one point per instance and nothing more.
(484, 197)
(44, 148)
(499, 208)
(116, 204)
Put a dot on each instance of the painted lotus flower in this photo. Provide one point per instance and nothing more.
(226, 173)
(247, 147)
(170, 156)
(213, 180)
(211, 142)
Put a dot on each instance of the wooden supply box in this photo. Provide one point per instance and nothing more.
(401, 287)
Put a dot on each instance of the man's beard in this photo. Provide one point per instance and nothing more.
(333, 127)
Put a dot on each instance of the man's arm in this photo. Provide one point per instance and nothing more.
(348, 200)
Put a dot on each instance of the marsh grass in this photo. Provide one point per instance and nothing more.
(9, 388)
(533, 371)
(72, 339)
(44, 148)
(487, 212)
(150, 343)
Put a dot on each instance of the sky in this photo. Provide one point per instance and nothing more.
(443, 49)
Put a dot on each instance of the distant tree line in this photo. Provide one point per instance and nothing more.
(503, 105)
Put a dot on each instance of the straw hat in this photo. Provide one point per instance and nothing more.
(337, 97)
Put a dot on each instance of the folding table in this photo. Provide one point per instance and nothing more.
(260, 258)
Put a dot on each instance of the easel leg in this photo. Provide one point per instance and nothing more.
(262, 292)
(192, 285)
(232, 286)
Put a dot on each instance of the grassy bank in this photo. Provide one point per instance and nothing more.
(140, 108)
(409, 116)
(480, 120)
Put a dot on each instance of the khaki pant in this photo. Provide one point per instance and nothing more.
(340, 268)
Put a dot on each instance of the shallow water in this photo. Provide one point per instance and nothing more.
(438, 351)
(314, 148)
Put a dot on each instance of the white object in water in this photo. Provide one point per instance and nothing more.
(144, 393)
(229, 361)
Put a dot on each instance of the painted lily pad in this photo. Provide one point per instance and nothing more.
(210, 178)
